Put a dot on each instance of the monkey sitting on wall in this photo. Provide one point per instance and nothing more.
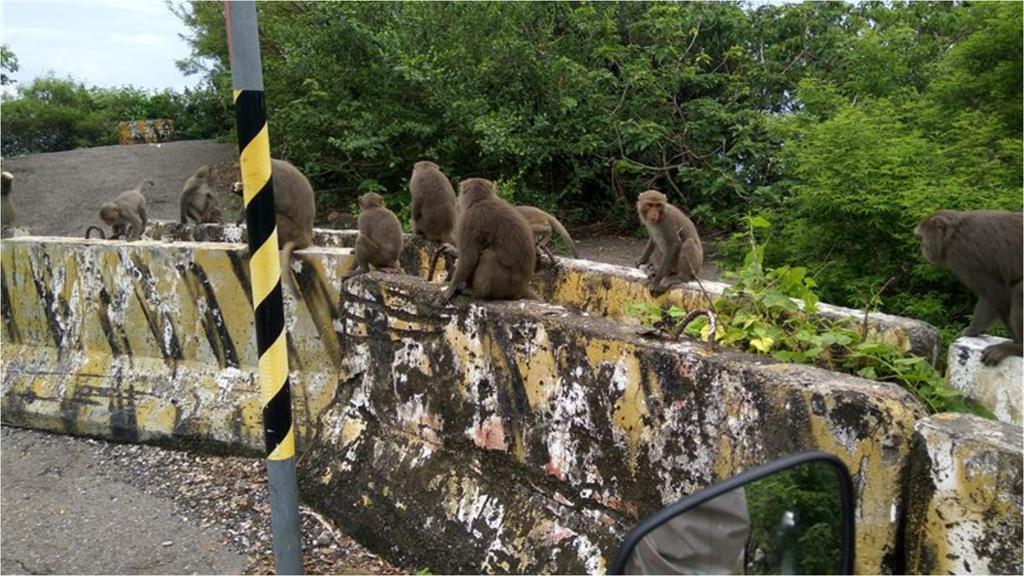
(496, 252)
(197, 199)
(983, 249)
(294, 207)
(543, 225)
(126, 215)
(433, 203)
(675, 237)
(380, 237)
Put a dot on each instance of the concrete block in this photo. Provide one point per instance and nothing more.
(998, 388)
(964, 497)
(501, 437)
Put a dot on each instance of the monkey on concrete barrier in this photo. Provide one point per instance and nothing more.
(126, 215)
(197, 199)
(295, 209)
(341, 220)
(380, 237)
(984, 249)
(7, 219)
(675, 237)
(433, 203)
(496, 252)
(543, 225)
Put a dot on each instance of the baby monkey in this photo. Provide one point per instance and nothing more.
(675, 237)
(126, 215)
(380, 237)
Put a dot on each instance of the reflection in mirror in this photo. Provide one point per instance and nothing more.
(787, 523)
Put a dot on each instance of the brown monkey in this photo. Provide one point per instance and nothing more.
(341, 220)
(127, 213)
(675, 237)
(542, 225)
(433, 203)
(380, 236)
(983, 248)
(495, 246)
(211, 215)
(295, 208)
(197, 199)
(6, 205)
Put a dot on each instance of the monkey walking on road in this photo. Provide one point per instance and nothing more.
(496, 252)
(674, 236)
(126, 215)
(984, 249)
(380, 237)
(543, 225)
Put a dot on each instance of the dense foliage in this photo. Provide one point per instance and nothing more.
(51, 114)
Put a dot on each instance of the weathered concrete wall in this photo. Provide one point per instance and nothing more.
(964, 502)
(484, 436)
(600, 289)
(998, 388)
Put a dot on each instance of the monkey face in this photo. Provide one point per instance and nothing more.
(110, 213)
(650, 205)
(934, 233)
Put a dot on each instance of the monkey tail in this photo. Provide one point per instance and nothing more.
(286, 268)
(88, 232)
(564, 234)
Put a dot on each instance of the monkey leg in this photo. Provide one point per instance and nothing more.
(985, 315)
(995, 353)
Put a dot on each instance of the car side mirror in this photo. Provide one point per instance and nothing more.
(793, 515)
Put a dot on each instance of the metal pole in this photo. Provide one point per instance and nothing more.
(265, 270)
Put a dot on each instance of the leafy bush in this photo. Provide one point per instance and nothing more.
(773, 311)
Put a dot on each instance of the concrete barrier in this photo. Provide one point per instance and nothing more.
(499, 437)
(964, 497)
(998, 388)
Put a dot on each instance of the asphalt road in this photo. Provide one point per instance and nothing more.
(60, 193)
(63, 515)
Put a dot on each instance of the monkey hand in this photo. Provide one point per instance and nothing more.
(995, 353)
(656, 288)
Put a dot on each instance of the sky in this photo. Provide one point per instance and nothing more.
(98, 42)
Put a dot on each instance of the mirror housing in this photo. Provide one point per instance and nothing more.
(720, 512)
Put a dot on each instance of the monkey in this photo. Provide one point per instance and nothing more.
(294, 206)
(433, 203)
(127, 213)
(380, 237)
(984, 249)
(675, 237)
(542, 225)
(7, 219)
(496, 252)
(341, 220)
(197, 200)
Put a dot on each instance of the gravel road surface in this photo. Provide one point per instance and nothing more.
(81, 506)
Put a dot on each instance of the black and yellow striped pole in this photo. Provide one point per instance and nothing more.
(265, 270)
